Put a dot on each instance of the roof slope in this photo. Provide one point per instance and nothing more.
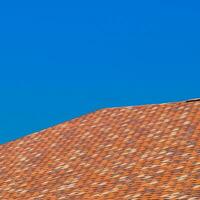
(141, 152)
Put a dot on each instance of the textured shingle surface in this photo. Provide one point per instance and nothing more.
(142, 152)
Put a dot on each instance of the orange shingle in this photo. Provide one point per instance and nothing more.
(139, 152)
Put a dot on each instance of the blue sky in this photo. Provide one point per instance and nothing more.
(62, 59)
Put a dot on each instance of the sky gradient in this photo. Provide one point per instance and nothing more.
(63, 59)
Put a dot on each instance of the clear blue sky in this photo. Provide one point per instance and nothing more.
(62, 59)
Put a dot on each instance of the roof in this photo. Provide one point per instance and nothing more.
(139, 152)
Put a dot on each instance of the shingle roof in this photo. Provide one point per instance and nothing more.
(139, 152)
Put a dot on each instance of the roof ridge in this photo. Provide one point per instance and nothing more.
(95, 112)
(192, 100)
(151, 104)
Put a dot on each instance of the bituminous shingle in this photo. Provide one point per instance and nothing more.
(135, 152)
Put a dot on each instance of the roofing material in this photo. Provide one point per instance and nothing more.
(139, 152)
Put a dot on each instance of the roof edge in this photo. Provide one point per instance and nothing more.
(99, 110)
(192, 100)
